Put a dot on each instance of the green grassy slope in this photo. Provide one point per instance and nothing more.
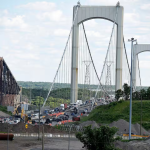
(4, 109)
(120, 110)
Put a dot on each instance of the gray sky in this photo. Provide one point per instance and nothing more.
(31, 30)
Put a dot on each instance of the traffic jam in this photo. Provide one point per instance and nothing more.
(59, 115)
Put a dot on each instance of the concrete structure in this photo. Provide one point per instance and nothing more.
(85, 13)
(138, 48)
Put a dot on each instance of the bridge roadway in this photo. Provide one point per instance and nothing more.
(87, 106)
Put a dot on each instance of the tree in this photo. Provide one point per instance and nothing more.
(148, 93)
(98, 138)
(126, 91)
(37, 100)
(143, 93)
(136, 95)
(118, 94)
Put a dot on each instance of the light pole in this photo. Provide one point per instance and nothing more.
(130, 117)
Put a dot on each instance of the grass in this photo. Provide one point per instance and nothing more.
(4, 109)
(120, 110)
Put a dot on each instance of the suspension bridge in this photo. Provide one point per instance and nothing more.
(77, 74)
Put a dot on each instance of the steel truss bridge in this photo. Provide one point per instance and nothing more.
(9, 89)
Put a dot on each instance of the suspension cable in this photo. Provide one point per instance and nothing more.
(108, 48)
(126, 55)
(91, 57)
(62, 55)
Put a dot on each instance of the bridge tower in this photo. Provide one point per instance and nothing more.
(138, 48)
(85, 13)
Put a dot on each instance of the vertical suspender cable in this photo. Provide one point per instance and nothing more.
(108, 47)
(92, 59)
(62, 57)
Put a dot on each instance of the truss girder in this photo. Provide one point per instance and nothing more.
(8, 84)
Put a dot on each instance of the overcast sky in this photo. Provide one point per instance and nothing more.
(33, 34)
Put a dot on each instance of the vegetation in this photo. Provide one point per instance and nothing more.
(98, 138)
(120, 110)
(52, 102)
(137, 95)
(4, 109)
(57, 96)
(63, 93)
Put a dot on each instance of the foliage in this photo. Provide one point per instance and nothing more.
(4, 109)
(38, 100)
(126, 91)
(98, 138)
(120, 110)
(52, 102)
(118, 94)
(137, 95)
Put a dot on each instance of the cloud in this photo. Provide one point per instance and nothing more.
(133, 18)
(61, 32)
(5, 12)
(114, 2)
(41, 6)
(145, 6)
(13, 22)
(55, 15)
(144, 64)
(48, 11)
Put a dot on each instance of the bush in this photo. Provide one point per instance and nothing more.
(98, 138)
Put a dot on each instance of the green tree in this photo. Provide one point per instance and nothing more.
(98, 138)
(143, 94)
(148, 93)
(126, 91)
(118, 94)
(38, 100)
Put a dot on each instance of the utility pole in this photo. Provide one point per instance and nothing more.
(39, 114)
(43, 138)
(108, 77)
(30, 94)
(87, 79)
(39, 118)
(8, 136)
(130, 117)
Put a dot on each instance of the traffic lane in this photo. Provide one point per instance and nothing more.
(31, 143)
(60, 144)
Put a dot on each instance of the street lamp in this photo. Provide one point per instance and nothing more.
(130, 117)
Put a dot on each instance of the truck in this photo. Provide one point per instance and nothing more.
(79, 102)
(63, 106)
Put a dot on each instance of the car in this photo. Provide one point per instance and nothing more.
(54, 119)
(75, 118)
(56, 109)
(33, 121)
(67, 116)
(73, 114)
(59, 119)
(48, 121)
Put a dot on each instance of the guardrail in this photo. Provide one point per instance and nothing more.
(138, 136)
(50, 135)
(72, 128)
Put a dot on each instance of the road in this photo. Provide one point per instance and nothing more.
(22, 143)
(88, 106)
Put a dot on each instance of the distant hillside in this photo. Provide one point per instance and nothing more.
(47, 85)
(34, 85)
